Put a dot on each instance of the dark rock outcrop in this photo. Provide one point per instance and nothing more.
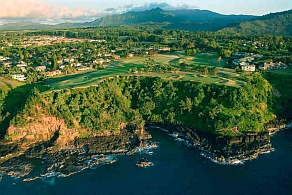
(229, 149)
(50, 157)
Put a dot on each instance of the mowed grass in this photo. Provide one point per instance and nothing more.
(88, 78)
(200, 59)
(6, 83)
(159, 58)
(121, 68)
(282, 71)
(208, 59)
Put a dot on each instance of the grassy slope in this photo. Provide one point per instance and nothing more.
(9, 84)
(93, 77)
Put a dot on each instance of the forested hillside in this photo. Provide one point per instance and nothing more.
(192, 20)
(138, 100)
(274, 24)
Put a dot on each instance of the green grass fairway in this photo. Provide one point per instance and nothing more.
(200, 59)
(121, 67)
(159, 58)
(282, 71)
(208, 59)
(9, 83)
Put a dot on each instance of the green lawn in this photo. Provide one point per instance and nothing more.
(9, 83)
(159, 58)
(282, 71)
(208, 59)
(121, 67)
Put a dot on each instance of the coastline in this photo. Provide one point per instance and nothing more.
(44, 160)
(223, 149)
(84, 153)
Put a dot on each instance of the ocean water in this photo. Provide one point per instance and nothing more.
(177, 169)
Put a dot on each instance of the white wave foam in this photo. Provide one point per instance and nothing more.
(148, 149)
(49, 178)
(269, 151)
(186, 142)
(235, 162)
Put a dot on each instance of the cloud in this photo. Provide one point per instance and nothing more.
(149, 6)
(40, 9)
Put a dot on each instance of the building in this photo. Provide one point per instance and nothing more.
(7, 64)
(40, 68)
(82, 68)
(272, 66)
(22, 65)
(52, 73)
(249, 67)
(117, 57)
(164, 49)
(19, 77)
(99, 61)
(2, 58)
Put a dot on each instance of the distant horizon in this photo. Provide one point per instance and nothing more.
(88, 18)
(56, 11)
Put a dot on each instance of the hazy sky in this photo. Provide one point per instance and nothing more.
(256, 7)
(88, 9)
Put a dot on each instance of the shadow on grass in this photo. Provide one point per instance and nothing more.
(8, 84)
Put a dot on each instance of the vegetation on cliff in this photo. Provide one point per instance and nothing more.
(135, 100)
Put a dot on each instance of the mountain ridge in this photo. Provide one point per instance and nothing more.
(193, 20)
(278, 23)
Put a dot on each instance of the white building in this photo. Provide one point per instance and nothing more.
(22, 65)
(19, 77)
(82, 68)
(40, 68)
(99, 61)
(250, 67)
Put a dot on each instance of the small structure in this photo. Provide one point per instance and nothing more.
(7, 64)
(19, 77)
(40, 68)
(52, 73)
(82, 68)
(99, 61)
(117, 57)
(164, 49)
(22, 65)
(248, 67)
(272, 66)
(2, 58)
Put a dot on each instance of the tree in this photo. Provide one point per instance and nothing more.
(186, 105)
(149, 64)
(214, 71)
(32, 76)
(205, 70)
(54, 63)
(190, 52)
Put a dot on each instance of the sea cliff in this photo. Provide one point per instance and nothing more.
(221, 148)
(64, 129)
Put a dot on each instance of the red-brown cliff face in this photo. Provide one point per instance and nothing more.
(43, 130)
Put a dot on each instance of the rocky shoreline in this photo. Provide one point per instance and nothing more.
(222, 149)
(47, 158)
